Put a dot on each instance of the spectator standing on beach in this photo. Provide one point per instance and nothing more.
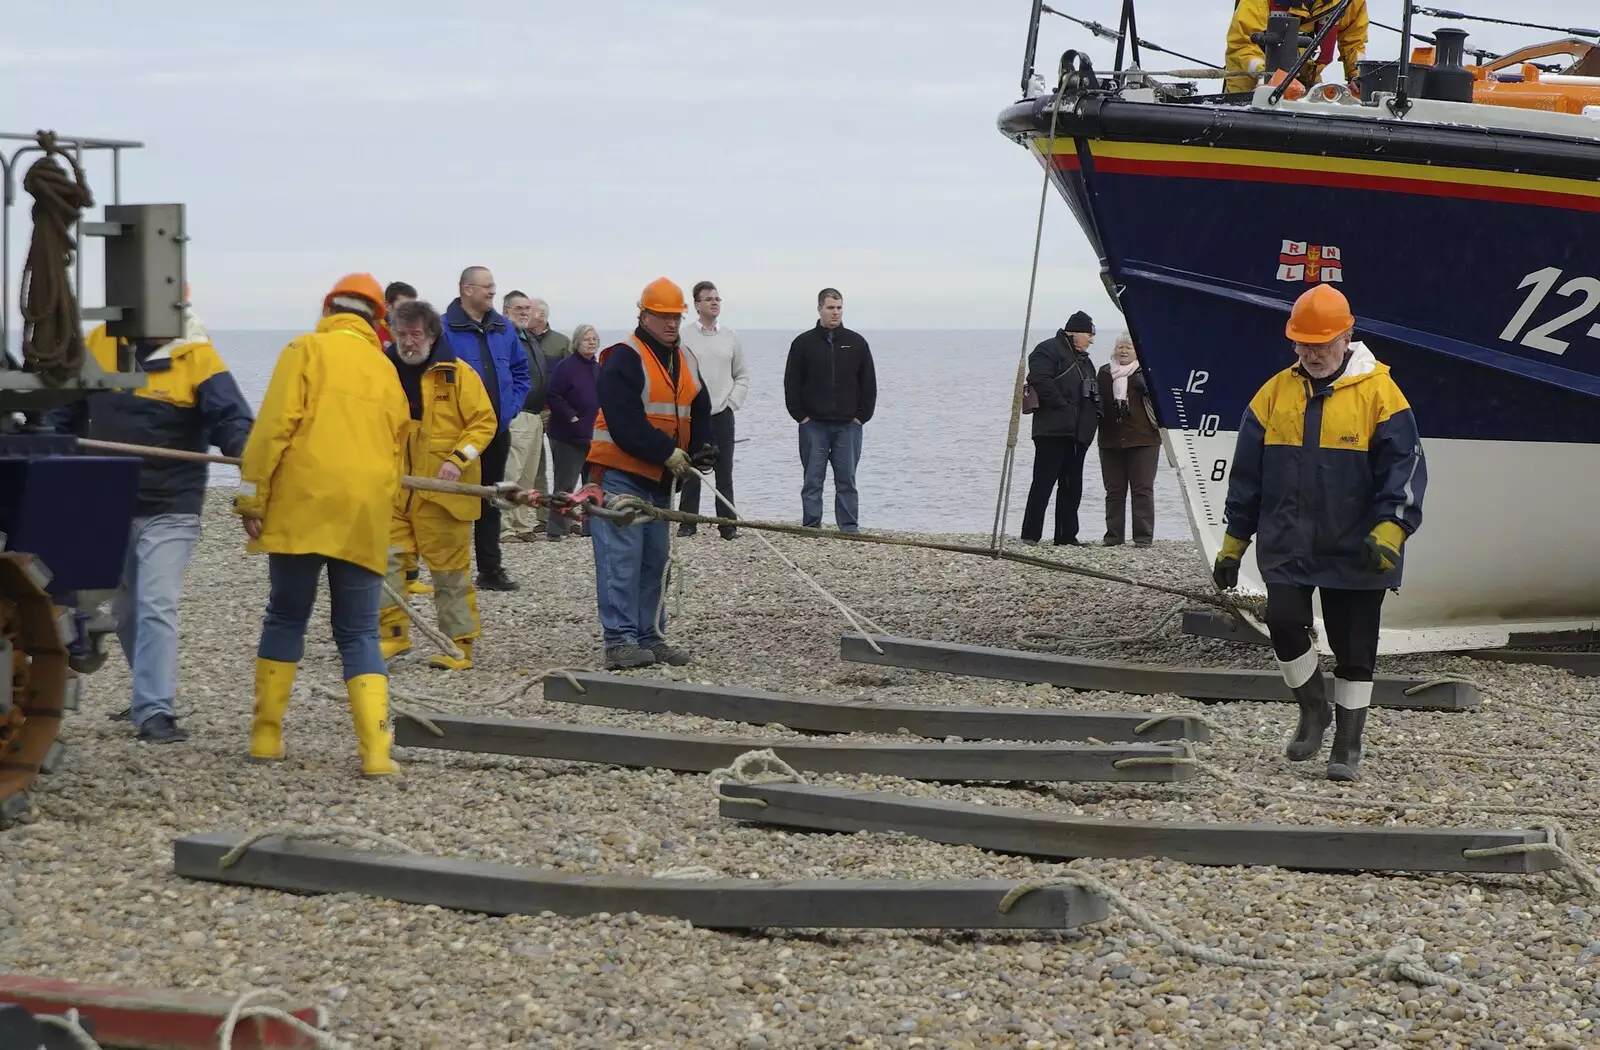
(1130, 446)
(653, 410)
(830, 388)
(189, 402)
(395, 293)
(573, 405)
(317, 485)
(527, 427)
(1062, 375)
(556, 347)
(488, 343)
(721, 357)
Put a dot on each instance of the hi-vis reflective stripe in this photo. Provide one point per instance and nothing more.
(666, 408)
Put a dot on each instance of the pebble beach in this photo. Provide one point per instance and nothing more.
(87, 891)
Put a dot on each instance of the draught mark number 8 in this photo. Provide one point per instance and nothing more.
(1219, 470)
(1542, 281)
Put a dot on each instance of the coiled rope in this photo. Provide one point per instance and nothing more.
(52, 336)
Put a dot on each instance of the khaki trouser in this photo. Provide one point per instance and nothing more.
(444, 543)
(522, 466)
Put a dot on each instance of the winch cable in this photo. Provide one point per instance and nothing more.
(1434, 12)
(1106, 33)
(1480, 53)
(52, 336)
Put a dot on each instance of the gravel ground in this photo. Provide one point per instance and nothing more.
(86, 890)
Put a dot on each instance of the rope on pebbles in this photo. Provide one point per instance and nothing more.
(241, 1010)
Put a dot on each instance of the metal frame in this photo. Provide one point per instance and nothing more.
(8, 167)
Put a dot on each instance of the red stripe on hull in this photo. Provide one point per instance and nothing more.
(1067, 162)
(1341, 180)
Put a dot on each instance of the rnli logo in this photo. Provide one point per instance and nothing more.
(1311, 263)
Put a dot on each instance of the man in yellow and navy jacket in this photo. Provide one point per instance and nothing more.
(1328, 476)
(452, 422)
(190, 402)
(1250, 16)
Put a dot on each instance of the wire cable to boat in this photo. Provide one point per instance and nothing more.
(1105, 33)
(1435, 12)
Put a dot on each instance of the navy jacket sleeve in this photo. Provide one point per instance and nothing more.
(619, 387)
(794, 379)
(226, 413)
(1398, 468)
(70, 418)
(1242, 511)
(867, 399)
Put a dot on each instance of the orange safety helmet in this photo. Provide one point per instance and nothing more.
(366, 286)
(1321, 315)
(661, 296)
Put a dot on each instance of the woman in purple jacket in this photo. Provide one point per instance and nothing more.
(573, 406)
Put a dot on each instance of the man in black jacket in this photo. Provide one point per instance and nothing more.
(831, 389)
(1060, 372)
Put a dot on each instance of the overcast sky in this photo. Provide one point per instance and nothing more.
(581, 149)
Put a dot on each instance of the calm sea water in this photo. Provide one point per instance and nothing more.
(931, 455)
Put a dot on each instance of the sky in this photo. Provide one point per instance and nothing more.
(580, 150)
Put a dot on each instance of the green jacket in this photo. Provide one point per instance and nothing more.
(555, 345)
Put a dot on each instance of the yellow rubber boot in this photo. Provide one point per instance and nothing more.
(274, 683)
(414, 584)
(394, 632)
(369, 710)
(450, 663)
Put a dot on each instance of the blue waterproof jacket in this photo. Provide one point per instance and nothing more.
(1314, 472)
(495, 353)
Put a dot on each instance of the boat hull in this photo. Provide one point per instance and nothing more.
(1478, 286)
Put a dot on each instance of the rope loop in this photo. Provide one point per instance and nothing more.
(767, 768)
(52, 336)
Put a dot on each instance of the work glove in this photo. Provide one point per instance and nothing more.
(1225, 570)
(706, 458)
(680, 464)
(1383, 546)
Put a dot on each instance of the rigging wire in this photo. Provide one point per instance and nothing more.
(1106, 33)
(1434, 12)
(1480, 53)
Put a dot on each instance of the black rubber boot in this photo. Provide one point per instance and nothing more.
(1346, 756)
(1316, 712)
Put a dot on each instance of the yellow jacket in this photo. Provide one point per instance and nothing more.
(1250, 16)
(323, 463)
(457, 423)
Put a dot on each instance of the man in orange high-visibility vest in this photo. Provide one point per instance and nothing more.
(653, 409)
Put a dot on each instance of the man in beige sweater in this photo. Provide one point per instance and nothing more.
(721, 358)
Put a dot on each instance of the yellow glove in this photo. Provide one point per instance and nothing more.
(1383, 546)
(1225, 571)
(680, 464)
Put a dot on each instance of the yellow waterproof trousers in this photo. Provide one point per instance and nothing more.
(444, 543)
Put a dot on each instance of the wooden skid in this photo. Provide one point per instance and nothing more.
(1197, 683)
(148, 1019)
(686, 753)
(1040, 834)
(1210, 623)
(1582, 664)
(303, 866)
(818, 714)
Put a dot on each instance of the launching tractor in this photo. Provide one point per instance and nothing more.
(65, 517)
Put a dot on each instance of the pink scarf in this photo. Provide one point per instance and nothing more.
(1119, 379)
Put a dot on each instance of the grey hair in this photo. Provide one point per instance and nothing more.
(413, 310)
(579, 332)
(540, 304)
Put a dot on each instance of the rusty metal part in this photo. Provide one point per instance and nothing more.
(33, 627)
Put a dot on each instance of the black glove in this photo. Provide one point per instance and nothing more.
(1225, 570)
(706, 458)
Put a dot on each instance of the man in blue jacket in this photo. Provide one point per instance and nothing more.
(488, 342)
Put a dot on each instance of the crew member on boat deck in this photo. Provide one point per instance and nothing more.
(317, 486)
(395, 293)
(1328, 475)
(653, 408)
(1250, 16)
(189, 402)
(451, 423)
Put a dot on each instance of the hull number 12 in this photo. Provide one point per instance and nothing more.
(1542, 337)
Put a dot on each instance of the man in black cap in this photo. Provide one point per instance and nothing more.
(1064, 424)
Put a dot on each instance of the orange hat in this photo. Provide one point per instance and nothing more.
(364, 285)
(661, 296)
(1319, 316)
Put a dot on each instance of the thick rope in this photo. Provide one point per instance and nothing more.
(52, 335)
(241, 1011)
(69, 1024)
(1557, 844)
(444, 643)
(769, 769)
(693, 871)
(1167, 716)
(1400, 961)
(1050, 642)
(401, 699)
(1008, 460)
(319, 831)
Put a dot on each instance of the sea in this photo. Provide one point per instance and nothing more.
(931, 455)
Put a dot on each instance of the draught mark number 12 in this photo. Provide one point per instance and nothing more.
(1209, 424)
(1542, 337)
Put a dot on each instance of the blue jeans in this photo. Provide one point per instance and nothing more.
(146, 607)
(822, 443)
(354, 593)
(628, 563)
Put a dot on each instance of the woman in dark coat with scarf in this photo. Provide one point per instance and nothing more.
(1130, 446)
(573, 407)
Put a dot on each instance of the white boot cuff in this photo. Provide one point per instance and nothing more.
(1298, 672)
(1352, 696)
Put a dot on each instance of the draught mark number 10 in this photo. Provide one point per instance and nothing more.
(1541, 281)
